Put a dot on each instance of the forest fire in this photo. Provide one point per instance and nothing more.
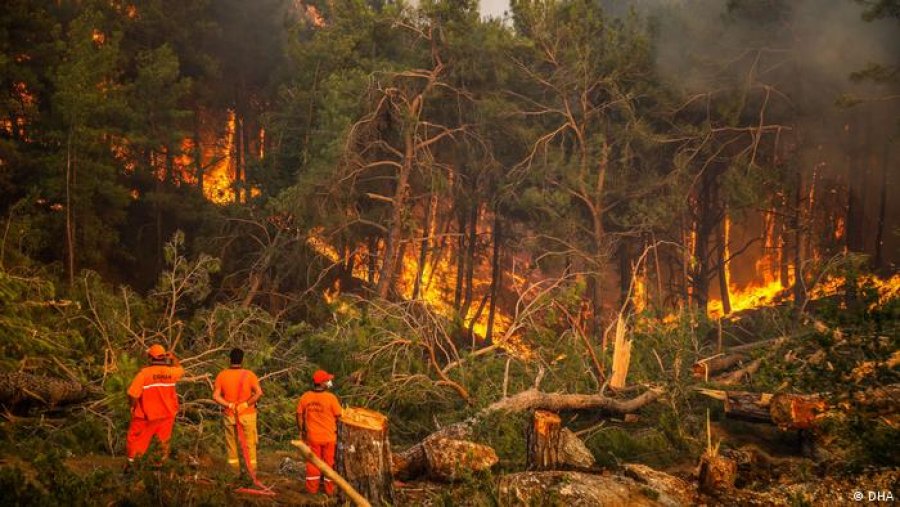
(748, 297)
(531, 246)
(435, 287)
(218, 180)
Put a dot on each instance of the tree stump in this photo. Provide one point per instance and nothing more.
(543, 441)
(364, 457)
(717, 474)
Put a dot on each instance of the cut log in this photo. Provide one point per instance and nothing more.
(787, 411)
(771, 342)
(365, 457)
(577, 489)
(573, 453)
(21, 388)
(796, 411)
(682, 491)
(705, 368)
(449, 459)
(752, 407)
(717, 474)
(532, 399)
(543, 441)
(412, 463)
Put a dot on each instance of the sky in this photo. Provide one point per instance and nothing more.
(493, 7)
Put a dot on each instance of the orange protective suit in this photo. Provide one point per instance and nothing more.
(154, 413)
(319, 411)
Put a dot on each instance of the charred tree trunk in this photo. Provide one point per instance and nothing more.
(706, 223)
(238, 154)
(372, 259)
(470, 260)
(625, 275)
(398, 263)
(198, 152)
(425, 246)
(70, 216)
(364, 460)
(460, 259)
(496, 278)
(799, 287)
(398, 210)
(722, 267)
(878, 260)
(347, 266)
(543, 442)
(783, 243)
(855, 186)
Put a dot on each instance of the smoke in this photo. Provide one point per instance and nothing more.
(805, 52)
(808, 46)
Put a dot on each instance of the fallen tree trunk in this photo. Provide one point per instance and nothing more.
(711, 365)
(449, 459)
(679, 490)
(532, 399)
(576, 489)
(365, 457)
(412, 462)
(739, 375)
(796, 411)
(748, 406)
(24, 388)
(787, 411)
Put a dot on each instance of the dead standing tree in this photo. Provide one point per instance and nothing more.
(396, 135)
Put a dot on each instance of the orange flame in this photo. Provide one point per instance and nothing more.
(218, 179)
(436, 287)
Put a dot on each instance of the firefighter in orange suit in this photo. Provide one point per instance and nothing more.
(154, 402)
(317, 414)
(237, 390)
